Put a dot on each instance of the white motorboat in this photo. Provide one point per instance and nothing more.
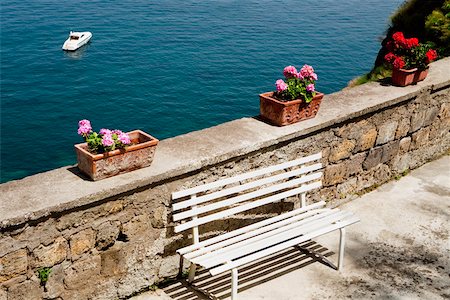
(76, 40)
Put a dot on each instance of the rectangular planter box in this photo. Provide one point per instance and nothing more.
(283, 113)
(402, 77)
(100, 166)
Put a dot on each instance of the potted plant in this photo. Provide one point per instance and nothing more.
(111, 152)
(409, 59)
(295, 98)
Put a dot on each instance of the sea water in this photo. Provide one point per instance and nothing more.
(166, 67)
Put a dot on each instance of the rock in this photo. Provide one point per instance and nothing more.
(338, 173)
(404, 145)
(55, 284)
(346, 188)
(403, 128)
(137, 228)
(81, 272)
(389, 151)
(169, 266)
(13, 264)
(159, 217)
(400, 163)
(3, 295)
(48, 256)
(367, 140)
(430, 116)
(417, 121)
(386, 132)
(420, 138)
(82, 242)
(113, 261)
(27, 290)
(373, 158)
(341, 150)
(107, 234)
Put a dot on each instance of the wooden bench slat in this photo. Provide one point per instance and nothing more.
(252, 257)
(258, 243)
(246, 186)
(263, 232)
(226, 181)
(247, 206)
(250, 227)
(258, 193)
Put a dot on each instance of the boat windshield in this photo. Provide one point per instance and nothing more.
(74, 37)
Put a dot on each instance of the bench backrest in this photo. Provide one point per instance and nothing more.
(216, 200)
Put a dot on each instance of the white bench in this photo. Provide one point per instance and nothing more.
(226, 197)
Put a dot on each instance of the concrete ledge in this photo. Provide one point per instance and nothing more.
(63, 189)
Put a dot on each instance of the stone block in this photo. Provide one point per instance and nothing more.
(338, 173)
(390, 151)
(82, 272)
(169, 266)
(13, 264)
(404, 145)
(430, 116)
(55, 284)
(444, 112)
(159, 217)
(113, 261)
(367, 140)
(341, 150)
(27, 290)
(403, 127)
(420, 138)
(401, 163)
(417, 121)
(107, 234)
(373, 158)
(82, 242)
(137, 228)
(48, 256)
(386, 132)
(13, 281)
(3, 295)
(346, 187)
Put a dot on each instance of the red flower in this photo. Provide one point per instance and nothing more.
(390, 45)
(411, 43)
(390, 57)
(431, 55)
(398, 37)
(398, 63)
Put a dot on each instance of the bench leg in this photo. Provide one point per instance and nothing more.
(192, 272)
(234, 284)
(341, 249)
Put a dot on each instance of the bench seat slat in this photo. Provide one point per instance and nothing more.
(219, 183)
(271, 250)
(246, 186)
(247, 206)
(266, 230)
(250, 227)
(258, 193)
(260, 242)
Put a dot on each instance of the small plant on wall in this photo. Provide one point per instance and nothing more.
(43, 274)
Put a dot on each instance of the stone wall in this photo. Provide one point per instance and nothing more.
(112, 238)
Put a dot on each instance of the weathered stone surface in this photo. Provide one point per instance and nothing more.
(367, 140)
(113, 261)
(48, 256)
(404, 124)
(444, 112)
(420, 138)
(3, 295)
(13, 264)
(389, 151)
(13, 281)
(55, 284)
(404, 145)
(159, 217)
(417, 121)
(83, 272)
(169, 266)
(28, 290)
(386, 132)
(107, 234)
(338, 173)
(341, 150)
(82, 242)
(373, 158)
(347, 187)
(138, 228)
(430, 116)
(400, 163)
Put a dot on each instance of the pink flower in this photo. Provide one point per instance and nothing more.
(310, 87)
(105, 131)
(313, 76)
(281, 85)
(117, 131)
(124, 138)
(289, 72)
(306, 71)
(107, 140)
(84, 127)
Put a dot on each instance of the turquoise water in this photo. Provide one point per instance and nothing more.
(166, 67)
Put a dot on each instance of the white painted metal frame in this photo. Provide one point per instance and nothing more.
(251, 190)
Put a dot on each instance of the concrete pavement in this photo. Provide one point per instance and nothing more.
(399, 250)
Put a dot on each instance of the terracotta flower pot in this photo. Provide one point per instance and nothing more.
(420, 75)
(402, 77)
(283, 113)
(136, 156)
